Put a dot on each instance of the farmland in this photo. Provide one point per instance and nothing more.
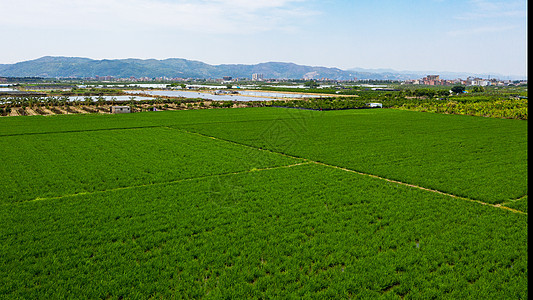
(263, 203)
(101, 160)
(478, 158)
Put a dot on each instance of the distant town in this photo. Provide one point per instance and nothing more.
(430, 80)
(471, 81)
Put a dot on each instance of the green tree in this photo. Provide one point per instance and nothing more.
(65, 101)
(87, 100)
(132, 103)
(100, 100)
(311, 84)
(478, 89)
(458, 89)
(444, 93)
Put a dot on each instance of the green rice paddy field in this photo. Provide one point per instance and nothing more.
(263, 203)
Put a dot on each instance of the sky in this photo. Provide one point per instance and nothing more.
(476, 36)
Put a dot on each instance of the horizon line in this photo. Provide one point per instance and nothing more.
(377, 70)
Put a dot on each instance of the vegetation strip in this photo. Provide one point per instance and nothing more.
(156, 183)
(364, 174)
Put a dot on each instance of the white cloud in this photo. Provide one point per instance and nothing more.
(488, 9)
(480, 30)
(213, 16)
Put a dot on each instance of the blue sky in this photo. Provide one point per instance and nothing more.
(478, 36)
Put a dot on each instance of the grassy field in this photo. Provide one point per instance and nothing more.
(91, 122)
(472, 157)
(263, 203)
(88, 161)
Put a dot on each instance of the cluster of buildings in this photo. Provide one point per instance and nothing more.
(255, 77)
(470, 81)
(431, 80)
(133, 79)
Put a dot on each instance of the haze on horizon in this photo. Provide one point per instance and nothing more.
(476, 36)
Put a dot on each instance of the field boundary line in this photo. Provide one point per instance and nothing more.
(140, 127)
(500, 206)
(178, 126)
(514, 200)
(241, 144)
(158, 183)
(504, 204)
(85, 130)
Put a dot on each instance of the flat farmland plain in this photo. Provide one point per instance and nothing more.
(472, 157)
(58, 164)
(264, 203)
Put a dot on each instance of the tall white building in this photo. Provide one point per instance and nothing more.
(257, 77)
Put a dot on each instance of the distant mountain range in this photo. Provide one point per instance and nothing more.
(64, 67)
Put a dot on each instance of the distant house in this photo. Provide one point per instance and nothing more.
(221, 92)
(120, 109)
(374, 105)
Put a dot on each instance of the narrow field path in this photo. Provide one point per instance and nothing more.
(306, 161)
(501, 205)
(83, 130)
(157, 183)
(425, 189)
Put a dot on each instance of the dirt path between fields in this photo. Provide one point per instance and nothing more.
(501, 205)
(159, 183)
(306, 161)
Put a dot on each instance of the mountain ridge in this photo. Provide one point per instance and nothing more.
(80, 67)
